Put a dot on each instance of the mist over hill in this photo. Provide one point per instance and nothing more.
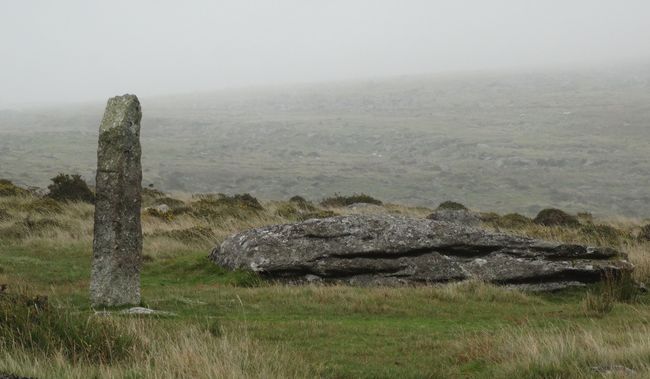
(505, 142)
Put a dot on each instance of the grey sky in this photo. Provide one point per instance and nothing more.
(80, 50)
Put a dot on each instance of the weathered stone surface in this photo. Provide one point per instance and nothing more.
(388, 250)
(117, 244)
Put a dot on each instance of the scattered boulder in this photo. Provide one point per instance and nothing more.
(555, 217)
(162, 208)
(392, 250)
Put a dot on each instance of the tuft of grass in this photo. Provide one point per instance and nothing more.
(342, 201)
(7, 188)
(604, 234)
(30, 227)
(44, 205)
(190, 235)
(512, 221)
(4, 215)
(613, 289)
(644, 234)
(28, 322)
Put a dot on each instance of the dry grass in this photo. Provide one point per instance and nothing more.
(577, 352)
(187, 352)
(192, 350)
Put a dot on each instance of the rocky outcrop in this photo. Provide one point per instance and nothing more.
(392, 250)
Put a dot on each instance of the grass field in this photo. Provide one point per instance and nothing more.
(231, 324)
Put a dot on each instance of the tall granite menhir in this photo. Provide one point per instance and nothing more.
(117, 244)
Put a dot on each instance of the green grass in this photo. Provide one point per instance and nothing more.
(341, 332)
(232, 324)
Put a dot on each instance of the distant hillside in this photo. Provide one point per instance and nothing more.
(517, 142)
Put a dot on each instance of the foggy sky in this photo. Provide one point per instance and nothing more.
(79, 50)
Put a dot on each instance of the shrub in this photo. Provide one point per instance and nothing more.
(30, 323)
(342, 201)
(644, 235)
(451, 205)
(555, 217)
(7, 188)
(237, 206)
(66, 187)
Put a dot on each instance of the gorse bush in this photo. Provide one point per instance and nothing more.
(451, 205)
(342, 201)
(555, 217)
(30, 323)
(222, 206)
(66, 187)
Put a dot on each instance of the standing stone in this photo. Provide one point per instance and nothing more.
(117, 243)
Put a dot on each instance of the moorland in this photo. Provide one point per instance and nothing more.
(234, 324)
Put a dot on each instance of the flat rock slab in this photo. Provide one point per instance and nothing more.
(394, 250)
